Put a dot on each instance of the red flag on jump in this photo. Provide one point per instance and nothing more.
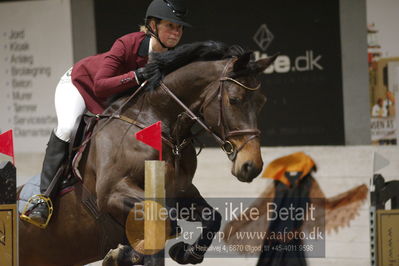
(7, 145)
(152, 136)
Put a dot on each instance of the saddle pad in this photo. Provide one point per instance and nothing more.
(32, 187)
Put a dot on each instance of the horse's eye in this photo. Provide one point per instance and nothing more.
(234, 100)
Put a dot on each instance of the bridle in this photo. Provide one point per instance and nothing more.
(223, 140)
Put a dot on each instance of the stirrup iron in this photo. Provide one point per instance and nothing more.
(35, 200)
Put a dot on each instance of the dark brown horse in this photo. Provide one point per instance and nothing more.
(220, 93)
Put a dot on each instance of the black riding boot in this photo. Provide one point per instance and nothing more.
(41, 205)
(56, 153)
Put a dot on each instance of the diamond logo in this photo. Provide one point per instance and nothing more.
(263, 37)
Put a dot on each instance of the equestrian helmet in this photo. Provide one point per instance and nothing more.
(171, 10)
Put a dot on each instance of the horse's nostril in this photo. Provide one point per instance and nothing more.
(249, 171)
(247, 167)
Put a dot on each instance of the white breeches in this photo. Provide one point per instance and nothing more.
(69, 105)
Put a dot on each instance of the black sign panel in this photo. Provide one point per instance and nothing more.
(304, 86)
(8, 180)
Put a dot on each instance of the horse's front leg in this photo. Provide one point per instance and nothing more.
(184, 253)
(118, 199)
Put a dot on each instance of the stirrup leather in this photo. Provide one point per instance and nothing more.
(37, 199)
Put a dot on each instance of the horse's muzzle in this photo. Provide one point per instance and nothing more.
(248, 172)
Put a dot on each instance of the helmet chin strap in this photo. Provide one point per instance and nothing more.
(156, 36)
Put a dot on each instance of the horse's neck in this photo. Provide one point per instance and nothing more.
(188, 84)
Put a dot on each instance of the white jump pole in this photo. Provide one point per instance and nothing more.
(154, 218)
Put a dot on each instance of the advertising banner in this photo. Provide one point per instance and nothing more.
(383, 129)
(8, 234)
(36, 49)
(388, 237)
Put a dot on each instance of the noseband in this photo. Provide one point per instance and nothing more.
(227, 146)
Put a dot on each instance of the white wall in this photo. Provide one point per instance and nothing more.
(353, 24)
(384, 13)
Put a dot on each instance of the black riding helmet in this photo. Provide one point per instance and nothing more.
(170, 10)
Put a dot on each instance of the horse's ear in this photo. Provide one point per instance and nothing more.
(262, 64)
(242, 62)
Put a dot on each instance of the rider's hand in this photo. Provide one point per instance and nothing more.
(141, 75)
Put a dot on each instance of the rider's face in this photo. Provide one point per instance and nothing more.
(169, 33)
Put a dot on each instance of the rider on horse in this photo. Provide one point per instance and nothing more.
(93, 80)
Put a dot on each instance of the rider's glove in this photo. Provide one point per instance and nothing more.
(141, 75)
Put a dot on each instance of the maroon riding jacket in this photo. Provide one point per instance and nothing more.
(101, 76)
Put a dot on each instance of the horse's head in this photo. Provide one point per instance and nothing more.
(231, 108)
(226, 93)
